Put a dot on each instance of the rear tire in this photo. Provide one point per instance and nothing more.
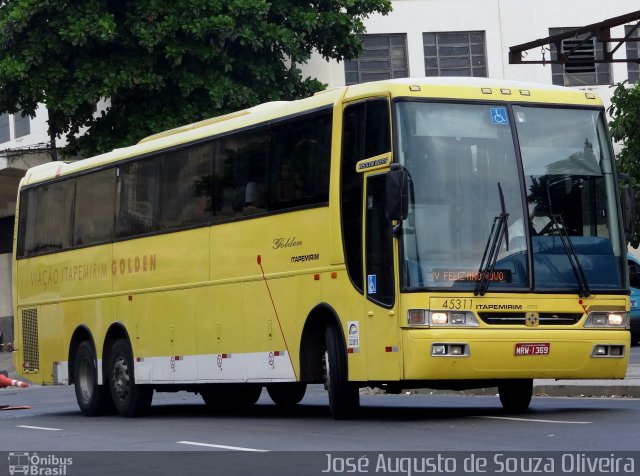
(515, 395)
(130, 399)
(287, 394)
(93, 399)
(344, 396)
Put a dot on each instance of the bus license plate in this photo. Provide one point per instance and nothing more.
(533, 349)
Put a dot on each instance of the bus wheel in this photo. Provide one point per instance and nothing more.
(93, 399)
(231, 395)
(515, 395)
(287, 394)
(130, 399)
(344, 396)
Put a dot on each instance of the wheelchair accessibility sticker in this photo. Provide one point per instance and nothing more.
(371, 284)
(499, 115)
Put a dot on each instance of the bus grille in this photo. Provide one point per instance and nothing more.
(30, 347)
(518, 318)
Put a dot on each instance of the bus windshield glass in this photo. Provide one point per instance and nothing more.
(570, 190)
(464, 176)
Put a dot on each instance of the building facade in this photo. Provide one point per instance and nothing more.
(472, 38)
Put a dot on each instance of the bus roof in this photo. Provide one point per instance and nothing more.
(436, 87)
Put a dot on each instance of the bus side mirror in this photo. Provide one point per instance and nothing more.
(628, 203)
(397, 193)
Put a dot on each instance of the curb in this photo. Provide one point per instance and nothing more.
(609, 391)
(557, 390)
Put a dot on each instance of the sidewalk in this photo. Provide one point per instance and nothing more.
(628, 387)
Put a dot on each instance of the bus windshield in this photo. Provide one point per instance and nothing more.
(463, 163)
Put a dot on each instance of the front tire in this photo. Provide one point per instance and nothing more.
(287, 394)
(344, 396)
(93, 399)
(129, 398)
(515, 395)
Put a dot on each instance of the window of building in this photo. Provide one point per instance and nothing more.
(5, 134)
(6, 234)
(633, 53)
(582, 69)
(457, 53)
(21, 124)
(383, 57)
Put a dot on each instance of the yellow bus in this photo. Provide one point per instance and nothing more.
(412, 233)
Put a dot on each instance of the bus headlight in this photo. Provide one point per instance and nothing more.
(452, 319)
(425, 317)
(607, 319)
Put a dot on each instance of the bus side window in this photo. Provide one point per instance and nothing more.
(94, 208)
(48, 226)
(300, 162)
(186, 182)
(138, 209)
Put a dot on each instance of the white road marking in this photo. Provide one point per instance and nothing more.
(39, 428)
(537, 421)
(223, 447)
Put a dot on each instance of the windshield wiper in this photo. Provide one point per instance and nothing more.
(499, 230)
(558, 226)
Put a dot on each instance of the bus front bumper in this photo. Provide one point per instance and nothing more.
(460, 354)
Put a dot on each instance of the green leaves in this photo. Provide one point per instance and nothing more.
(625, 129)
(164, 63)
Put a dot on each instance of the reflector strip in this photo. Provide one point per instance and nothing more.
(391, 349)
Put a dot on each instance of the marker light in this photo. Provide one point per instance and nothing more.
(417, 317)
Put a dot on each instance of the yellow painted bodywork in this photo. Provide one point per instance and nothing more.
(237, 287)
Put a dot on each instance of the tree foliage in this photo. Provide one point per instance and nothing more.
(625, 129)
(163, 63)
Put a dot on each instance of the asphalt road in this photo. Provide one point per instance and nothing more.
(181, 431)
(183, 436)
